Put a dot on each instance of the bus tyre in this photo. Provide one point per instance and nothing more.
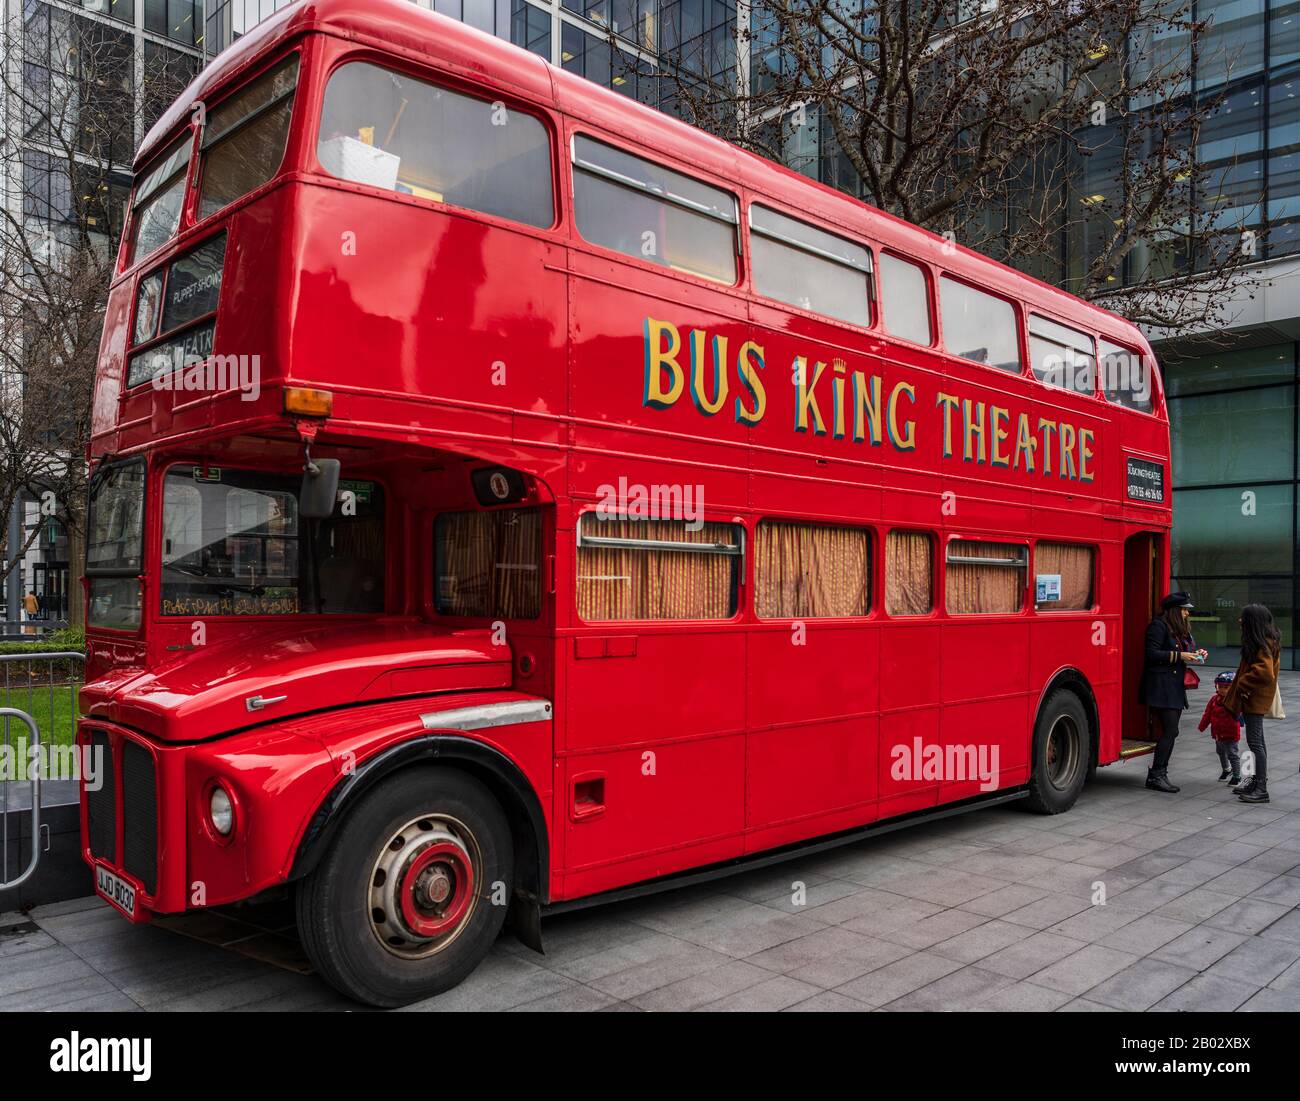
(1062, 751)
(413, 890)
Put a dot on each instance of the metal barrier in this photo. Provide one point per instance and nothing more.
(49, 690)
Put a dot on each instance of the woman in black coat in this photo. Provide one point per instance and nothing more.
(1168, 650)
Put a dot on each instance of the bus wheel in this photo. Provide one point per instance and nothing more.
(1062, 750)
(412, 892)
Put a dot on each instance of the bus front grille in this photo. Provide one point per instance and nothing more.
(139, 816)
(101, 801)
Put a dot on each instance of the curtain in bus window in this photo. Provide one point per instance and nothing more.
(635, 583)
(488, 564)
(988, 587)
(387, 130)
(909, 573)
(807, 570)
(1074, 564)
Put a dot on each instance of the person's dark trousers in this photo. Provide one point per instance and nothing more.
(1229, 757)
(1255, 740)
(1167, 717)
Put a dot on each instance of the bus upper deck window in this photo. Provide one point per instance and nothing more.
(642, 209)
(391, 131)
(1062, 356)
(810, 268)
(979, 326)
(156, 213)
(905, 299)
(243, 141)
(1126, 377)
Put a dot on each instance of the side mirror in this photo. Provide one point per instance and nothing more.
(320, 489)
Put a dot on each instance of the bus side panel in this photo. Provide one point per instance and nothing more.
(910, 679)
(812, 741)
(985, 662)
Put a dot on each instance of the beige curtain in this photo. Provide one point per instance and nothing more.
(1074, 564)
(488, 563)
(909, 573)
(808, 570)
(976, 588)
(631, 583)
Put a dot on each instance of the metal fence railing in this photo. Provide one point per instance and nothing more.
(40, 697)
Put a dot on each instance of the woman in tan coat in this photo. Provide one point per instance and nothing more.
(1253, 690)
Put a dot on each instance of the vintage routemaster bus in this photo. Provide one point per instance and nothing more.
(505, 496)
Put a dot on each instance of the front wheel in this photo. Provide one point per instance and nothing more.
(412, 892)
(1062, 752)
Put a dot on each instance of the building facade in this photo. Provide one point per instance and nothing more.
(83, 82)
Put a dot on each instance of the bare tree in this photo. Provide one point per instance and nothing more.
(1056, 135)
(67, 139)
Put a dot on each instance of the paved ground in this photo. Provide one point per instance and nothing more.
(991, 910)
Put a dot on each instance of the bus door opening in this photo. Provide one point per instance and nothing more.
(1142, 584)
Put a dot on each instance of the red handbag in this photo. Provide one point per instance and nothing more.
(1190, 679)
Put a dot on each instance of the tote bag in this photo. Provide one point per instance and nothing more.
(1276, 712)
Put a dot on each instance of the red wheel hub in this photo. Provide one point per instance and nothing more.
(437, 889)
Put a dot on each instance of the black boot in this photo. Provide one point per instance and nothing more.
(1246, 788)
(1158, 780)
(1258, 795)
(1225, 774)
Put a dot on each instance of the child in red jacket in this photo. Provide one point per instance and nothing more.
(1225, 728)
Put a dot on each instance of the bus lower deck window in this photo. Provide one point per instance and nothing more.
(984, 578)
(656, 569)
(487, 563)
(1063, 577)
(909, 573)
(811, 571)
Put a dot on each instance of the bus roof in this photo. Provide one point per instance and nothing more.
(401, 28)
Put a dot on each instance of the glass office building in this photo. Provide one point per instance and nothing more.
(1232, 400)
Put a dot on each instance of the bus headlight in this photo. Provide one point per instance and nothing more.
(221, 811)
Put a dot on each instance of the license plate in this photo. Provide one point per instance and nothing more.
(116, 889)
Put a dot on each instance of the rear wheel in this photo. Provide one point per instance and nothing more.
(412, 891)
(1062, 753)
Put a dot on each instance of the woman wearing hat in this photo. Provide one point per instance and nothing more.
(1168, 652)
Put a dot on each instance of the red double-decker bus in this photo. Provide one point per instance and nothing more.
(505, 496)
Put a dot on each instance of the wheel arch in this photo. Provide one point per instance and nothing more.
(1073, 679)
(490, 766)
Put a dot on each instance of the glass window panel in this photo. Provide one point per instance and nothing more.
(391, 131)
(1221, 531)
(811, 571)
(909, 573)
(1284, 34)
(243, 149)
(978, 326)
(691, 228)
(905, 299)
(488, 564)
(1218, 604)
(1229, 369)
(985, 578)
(1233, 437)
(1127, 379)
(809, 268)
(640, 583)
(1061, 356)
(1233, 44)
(1284, 156)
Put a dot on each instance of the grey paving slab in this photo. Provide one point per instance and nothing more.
(989, 911)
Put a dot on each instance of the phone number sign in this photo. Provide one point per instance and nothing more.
(1146, 481)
